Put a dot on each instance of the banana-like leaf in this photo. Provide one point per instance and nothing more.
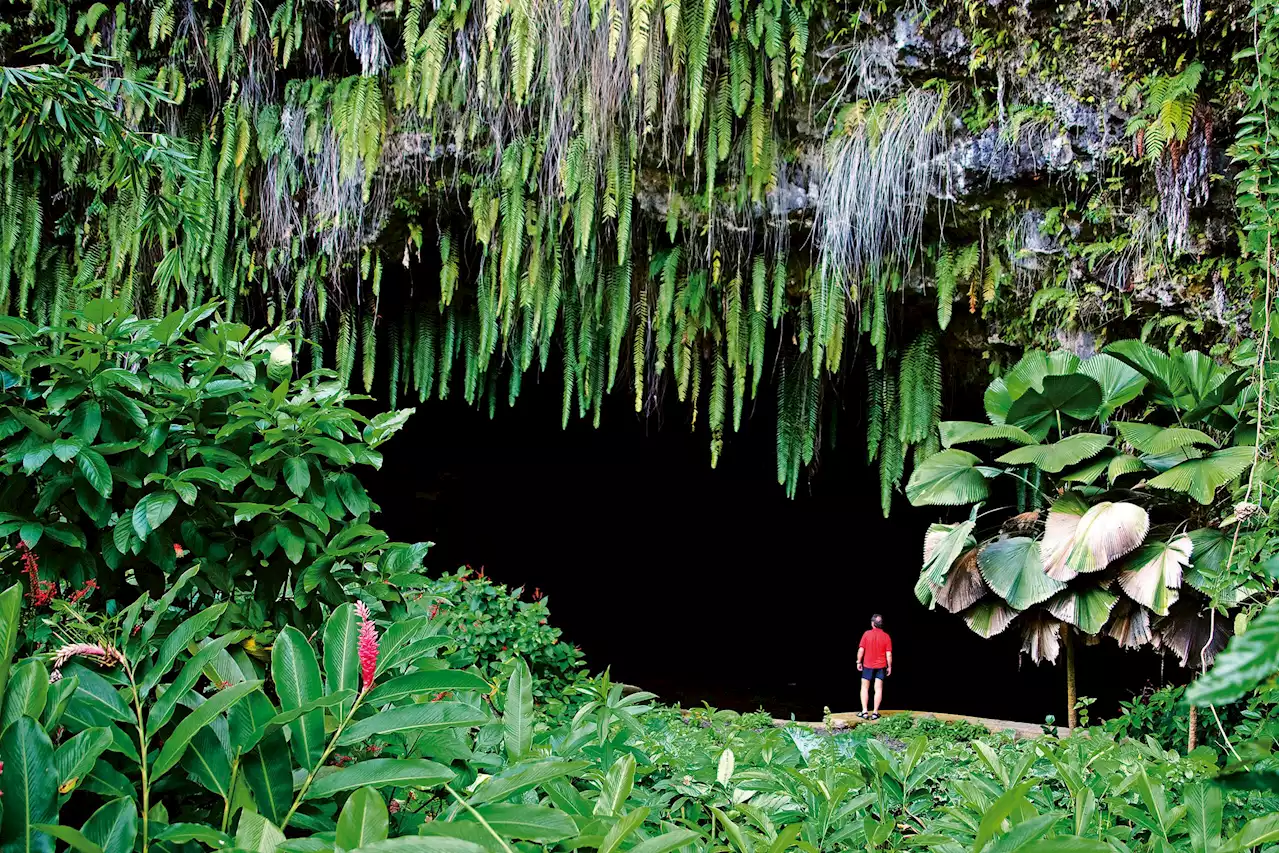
(341, 658)
(416, 718)
(1153, 574)
(517, 712)
(1076, 398)
(1121, 464)
(964, 585)
(30, 787)
(10, 615)
(989, 618)
(1014, 571)
(1120, 383)
(1086, 607)
(296, 674)
(380, 772)
(363, 820)
(1201, 478)
(1130, 625)
(540, 824)
(947, 478)
(114, 827)
(1158, 441)
(1042, 638)
(964, 432)
(1060, 535)
(1054, 457)
(1109, 530)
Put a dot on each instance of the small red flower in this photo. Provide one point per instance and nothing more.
(394, 806)
(178, 549)
(537, 594)
(435, 610)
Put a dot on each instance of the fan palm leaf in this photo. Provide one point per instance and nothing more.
(1200, 478)
(1086, 607)
(989, 618)
(963, 432)
(1109, 530)
(1120, 383)
(947, 478)
(1054, 457)
(1158, 441)
(1130, 625)
(1042, 638)
(1153, 574)
(1014, 571)
(1059, 535)
(964, 586)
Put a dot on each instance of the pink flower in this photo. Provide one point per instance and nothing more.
(367, 646)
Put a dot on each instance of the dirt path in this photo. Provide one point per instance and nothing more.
(1019, 730)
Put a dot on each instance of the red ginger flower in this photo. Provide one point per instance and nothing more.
(367, 646)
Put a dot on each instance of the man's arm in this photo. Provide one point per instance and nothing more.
(860, 652)
(888, 661)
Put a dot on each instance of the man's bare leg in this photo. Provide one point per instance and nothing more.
(865, 685)
(879, 693)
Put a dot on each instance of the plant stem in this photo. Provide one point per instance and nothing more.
(142, 754)
(475, 814)
(226, 801)
(1071, 677)
(324, 756)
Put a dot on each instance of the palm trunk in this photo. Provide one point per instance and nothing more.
(1072, 718)
(1193, 723)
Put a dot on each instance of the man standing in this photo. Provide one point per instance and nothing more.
(875, 661)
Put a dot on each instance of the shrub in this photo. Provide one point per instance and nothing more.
(131, 448)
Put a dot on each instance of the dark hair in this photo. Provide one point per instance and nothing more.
(877, 620)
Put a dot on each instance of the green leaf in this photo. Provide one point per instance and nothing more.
(363, 820)
(517, 713)
(528, 823)
(988, 618)
(1165, 377)
(10, 614)
(422, 844)
(524, 776)
(998, 812)
(297, 475)
(73, 838)
(618, 783)
(296, 675)
(30, 788)
(1119, 382)
(257, 834)
(341, 655)
(1161, 441)
(1014, 571)
(1109, 530)
(963, 432)
(176, 744)
(269, 774)
(180, 833)
(1054, 457)
(669, 841)
(195, 629)
(628, 824)
(1201, 478)
(152, 511)
(420, 683)
(1153, 574)
(1248, 659)
(1204, 816)
(114, 827)
(1123, 464)
(381, 772)
(162, 709)
(1086, 607)
(947, 478)
(77, 755)
(28, 689)
(1075, 397)
(415, 718)
(1256, 833)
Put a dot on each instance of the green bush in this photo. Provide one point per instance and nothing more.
(132, 448)
(493, 624)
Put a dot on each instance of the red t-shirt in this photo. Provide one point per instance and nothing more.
(875, 644)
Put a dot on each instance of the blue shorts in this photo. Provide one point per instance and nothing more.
(869, 674)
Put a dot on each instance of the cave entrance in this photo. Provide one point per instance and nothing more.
(703, 584)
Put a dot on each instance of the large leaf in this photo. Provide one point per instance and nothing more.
(1119, 382)
(422, 844)
(1191, 634)
(989, 618)
(1204, 816)
(10, 614)
(431, 681)
(527, 823)
(30, 788)
(27, 692)
(1130, 625)
(176, 744)
(152, 511)
(524, 776)
(341, 655)
(1041, 638)
(947, 478)
(1153, 574)
(256, 834)
(381, 772)
(1075, 398)
(1201, 478)
(1014, 571)
(963, 586)
(193, 630)
(1248, 659)
(114, 827)
(165, 704)
(964, 432)
(1122, 464)
(1109, 530)
(77, 755)
(517, 712)
(943, 543)
(363, 820)
(1060, 535)
(1054, 457)
(1167, 381)
(1159, 441)
(1086, 607)
(296, 674)
(269, 774)
(414, 718)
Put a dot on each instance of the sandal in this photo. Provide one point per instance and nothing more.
(874, 716)
(862, 715)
